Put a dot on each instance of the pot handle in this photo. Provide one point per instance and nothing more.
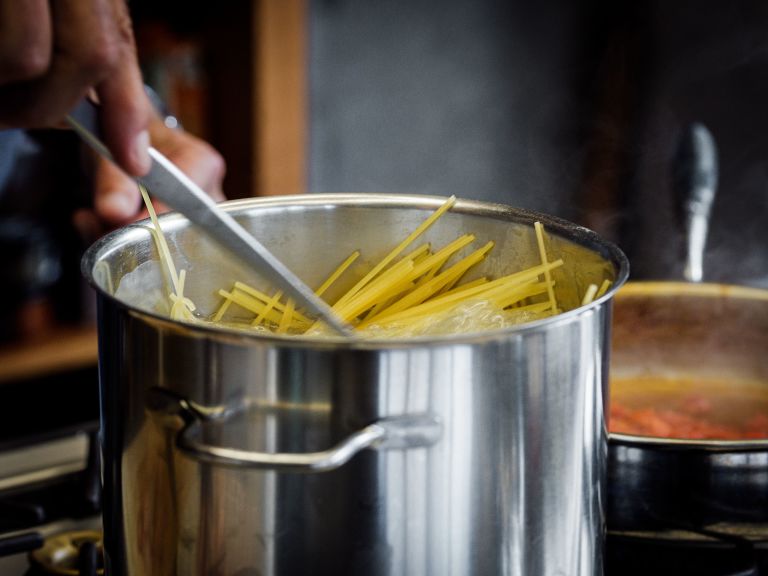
(393, 433)
(695, 183)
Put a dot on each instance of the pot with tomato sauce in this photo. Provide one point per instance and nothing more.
(688, 418)
(689, 408)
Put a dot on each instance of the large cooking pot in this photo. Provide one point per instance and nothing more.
(234, 453)
(677, 486)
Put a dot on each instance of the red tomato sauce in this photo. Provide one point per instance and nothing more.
(688, 410)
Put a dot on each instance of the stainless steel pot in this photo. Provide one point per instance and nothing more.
(231, 453)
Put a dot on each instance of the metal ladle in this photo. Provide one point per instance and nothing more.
(166, 182)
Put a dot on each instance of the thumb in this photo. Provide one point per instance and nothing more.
(116, 196)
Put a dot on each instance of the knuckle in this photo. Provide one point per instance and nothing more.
(213, 167)
(37, 115)
(218, 167)
(211, 164)
(104, 59)
(28, 62)
(97, 58)
(109, 44)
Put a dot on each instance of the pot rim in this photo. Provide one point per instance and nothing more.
(568, 230)
(675, 288)
(661, 443)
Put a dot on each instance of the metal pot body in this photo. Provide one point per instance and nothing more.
(681, 330)
(227, 453)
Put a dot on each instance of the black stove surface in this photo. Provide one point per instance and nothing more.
(49, 466)
(662, 554)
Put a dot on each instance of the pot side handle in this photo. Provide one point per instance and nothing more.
(393, 433)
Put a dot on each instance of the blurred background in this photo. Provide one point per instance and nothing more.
(575, 108)
(571, 108)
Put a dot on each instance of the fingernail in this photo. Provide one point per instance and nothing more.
(141, 151)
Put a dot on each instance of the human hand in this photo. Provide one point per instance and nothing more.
(53, 53)
(116, 196)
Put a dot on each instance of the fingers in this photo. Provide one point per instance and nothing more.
(126, 109)
(91, 45)
(25, 40)
(84, 52)
(116, 197)
(196, 158)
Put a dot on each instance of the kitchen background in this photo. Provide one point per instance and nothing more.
(571, 108)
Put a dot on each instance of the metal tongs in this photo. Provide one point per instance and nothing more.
(166, 182)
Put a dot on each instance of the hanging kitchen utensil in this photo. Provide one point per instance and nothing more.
(695, 174)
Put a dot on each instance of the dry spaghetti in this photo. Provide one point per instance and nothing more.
(404, 294)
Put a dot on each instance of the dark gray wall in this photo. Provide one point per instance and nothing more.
(481, 99)
(702, 61)
(571, 108)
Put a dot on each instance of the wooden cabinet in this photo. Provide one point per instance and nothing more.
(247, 96)
(60, 349)
(251, 94)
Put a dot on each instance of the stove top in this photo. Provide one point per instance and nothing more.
(50, 474)
(50, 500)
(68, 547)
(667, 553)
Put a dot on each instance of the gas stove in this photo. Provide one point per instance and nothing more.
(50, 491)
(49, 506)
(50, 501)
(69, 548)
